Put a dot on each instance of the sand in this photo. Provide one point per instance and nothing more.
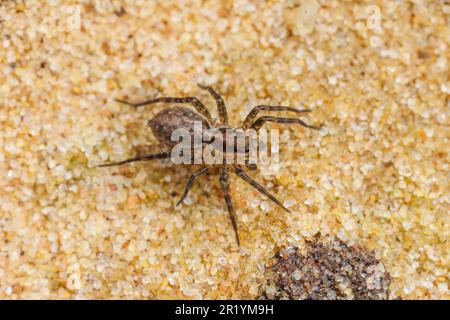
(376, 175)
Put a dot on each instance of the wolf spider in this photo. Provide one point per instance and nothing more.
(167, 120)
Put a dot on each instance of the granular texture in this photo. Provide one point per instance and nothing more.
(377, 174)
(328, 270)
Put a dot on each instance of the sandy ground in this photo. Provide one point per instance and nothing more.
(377, 174)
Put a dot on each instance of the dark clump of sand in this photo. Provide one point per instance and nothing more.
(330, 269)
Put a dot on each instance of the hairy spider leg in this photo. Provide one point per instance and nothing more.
(241, 174)
(223, 178)
(262, 120)
(196, 103)
(254, 112)
(194, 176)
(143, 157)
(220, 104)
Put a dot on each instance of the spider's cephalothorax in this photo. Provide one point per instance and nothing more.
(166, 121)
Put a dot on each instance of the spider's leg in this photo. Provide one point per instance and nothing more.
(191, 181)
(220, 104)
(241, 173)
(254, 112)
(226, 190)
(143, 157)
(260, 122)
(250, 165)
(196, 103)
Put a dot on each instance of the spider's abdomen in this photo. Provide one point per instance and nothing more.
(168, 120)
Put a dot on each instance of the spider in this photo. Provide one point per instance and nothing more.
(166, 121)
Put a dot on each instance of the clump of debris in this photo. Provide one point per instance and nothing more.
(329, 270)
